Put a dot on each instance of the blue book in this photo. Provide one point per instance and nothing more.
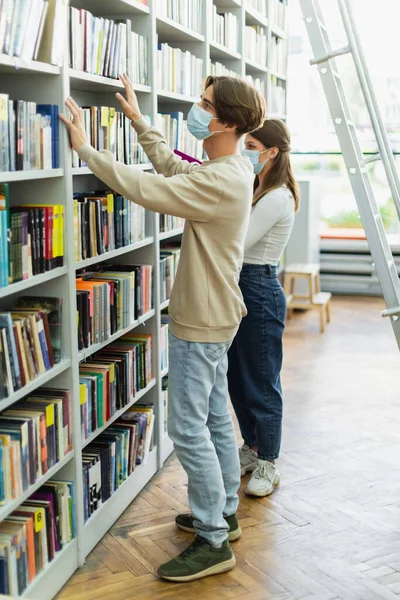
(51, 110)
(3, 249)
(6, 322)
(4, 587)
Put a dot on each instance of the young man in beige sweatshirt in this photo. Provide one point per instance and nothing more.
(206, 304)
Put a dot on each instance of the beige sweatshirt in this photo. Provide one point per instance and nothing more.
(215, 199)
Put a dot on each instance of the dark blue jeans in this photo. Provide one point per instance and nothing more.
(255, 361)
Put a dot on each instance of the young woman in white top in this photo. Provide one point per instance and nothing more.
(255, 357)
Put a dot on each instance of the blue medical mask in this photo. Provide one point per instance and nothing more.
(198, 121)
(253, 156)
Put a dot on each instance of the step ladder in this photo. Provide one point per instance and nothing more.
(355, 161)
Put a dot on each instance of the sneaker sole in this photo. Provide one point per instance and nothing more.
(232, 535)
(262, 494)
(223, 567)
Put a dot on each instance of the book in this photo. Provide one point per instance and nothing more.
(174, 128)
(106, 47)
(31, 536)
(179, 71)
(225, 29)
(188, 14)
(105, 221)
(256, 44)
(51, 309)
(109, 129)
(29, 135)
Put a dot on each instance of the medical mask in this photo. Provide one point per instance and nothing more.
(253, 156)
(198, 121)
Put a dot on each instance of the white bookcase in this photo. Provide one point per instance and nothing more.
(45, 83)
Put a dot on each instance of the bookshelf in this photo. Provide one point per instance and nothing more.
(44, 83)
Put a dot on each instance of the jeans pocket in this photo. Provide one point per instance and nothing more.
(215, 351)
(280, 304)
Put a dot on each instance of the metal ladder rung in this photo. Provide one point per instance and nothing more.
(374, 158)
(330, 55)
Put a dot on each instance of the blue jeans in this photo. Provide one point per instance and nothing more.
(255, 361)
(201, 427)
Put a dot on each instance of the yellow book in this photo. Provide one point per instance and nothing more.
(61, 232)
(77, 230)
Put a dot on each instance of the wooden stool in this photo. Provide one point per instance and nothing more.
(313, 298)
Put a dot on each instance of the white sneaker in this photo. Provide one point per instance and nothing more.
(248, 460)
(264, 479)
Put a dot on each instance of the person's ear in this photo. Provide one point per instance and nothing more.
(230, 128)
(273, 153)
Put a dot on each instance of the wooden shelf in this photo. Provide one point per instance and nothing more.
(7, 509)
(166, 235)
(181, 98)
(253, 17)
(82, 264)
(252, 67)
(94, 83)
(17, 66)
(11, 176)
(219, 52)
(49, 581)
(116, 8)
(164, 304)
(21, 286)
(172, 31)
(33, 385)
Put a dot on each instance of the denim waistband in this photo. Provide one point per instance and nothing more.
(269, 270)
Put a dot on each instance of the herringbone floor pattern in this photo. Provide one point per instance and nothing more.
(332, 530)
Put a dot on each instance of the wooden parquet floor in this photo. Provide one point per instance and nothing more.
(332, 530)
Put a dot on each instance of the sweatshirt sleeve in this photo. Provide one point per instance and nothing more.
(270, 209)
(161, 156)
(194, 196)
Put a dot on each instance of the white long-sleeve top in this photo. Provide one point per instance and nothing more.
(271, 223)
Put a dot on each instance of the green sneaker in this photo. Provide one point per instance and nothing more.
(185, 522)
(198, 561)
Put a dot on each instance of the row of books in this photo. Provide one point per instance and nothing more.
(224, 29)
(164, 401)
(114, 455)
(278, 96)
(105, 47)
(111, 298)
(258, 83)
(260, 5)
(104, 221)
(33, 30)
(28, 135)
(179, 71)
(174, 128)
(277, 13)
(111, 379)
(188, 14)
(256, 44)
(278, 58)
(169, 260)
(30, 341)
(109, 129)
(31, 239)
(169, 223)
(164, 342)
(35, 434)
(218, 69)
(33, 534)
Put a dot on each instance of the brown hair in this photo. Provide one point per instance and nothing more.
(275, 134)
(237, 102)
